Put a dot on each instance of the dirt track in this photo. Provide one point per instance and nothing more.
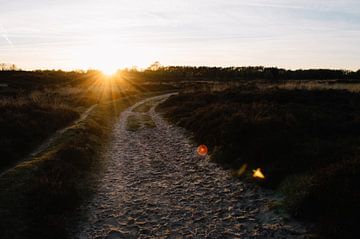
(156, 186)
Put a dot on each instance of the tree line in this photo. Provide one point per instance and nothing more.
(158, 72)
(246, 73)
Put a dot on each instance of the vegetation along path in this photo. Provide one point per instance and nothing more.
(154, 185)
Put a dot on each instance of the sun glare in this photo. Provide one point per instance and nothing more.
(109, 71)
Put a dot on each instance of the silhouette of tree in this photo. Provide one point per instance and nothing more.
(8, 67)
(155, 66)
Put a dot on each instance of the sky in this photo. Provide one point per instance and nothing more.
(109, 34)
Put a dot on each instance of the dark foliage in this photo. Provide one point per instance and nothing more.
(22, 127)
(33, 105)
(238, 73)
(287, 133)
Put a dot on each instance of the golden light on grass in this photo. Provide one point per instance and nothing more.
(106, 88)
(202, 150)
(258, 174)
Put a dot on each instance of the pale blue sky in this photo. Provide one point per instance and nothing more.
(116, 33)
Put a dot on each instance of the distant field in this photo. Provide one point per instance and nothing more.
(305, 141)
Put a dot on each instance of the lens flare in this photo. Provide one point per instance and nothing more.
(258, 174)
(240, 171)
(202, 150)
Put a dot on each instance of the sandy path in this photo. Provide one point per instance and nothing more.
(156, 186)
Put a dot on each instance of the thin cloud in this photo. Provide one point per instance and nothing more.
(4, 34)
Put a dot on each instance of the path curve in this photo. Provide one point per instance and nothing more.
(155, 186)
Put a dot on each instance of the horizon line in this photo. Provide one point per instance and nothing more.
(134, 67)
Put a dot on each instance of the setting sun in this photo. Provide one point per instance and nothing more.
(109, 71)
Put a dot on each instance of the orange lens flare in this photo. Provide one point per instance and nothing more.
(202, 150)
(258, 174)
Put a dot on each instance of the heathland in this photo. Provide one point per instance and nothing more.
(306, 143)
(301, 128)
